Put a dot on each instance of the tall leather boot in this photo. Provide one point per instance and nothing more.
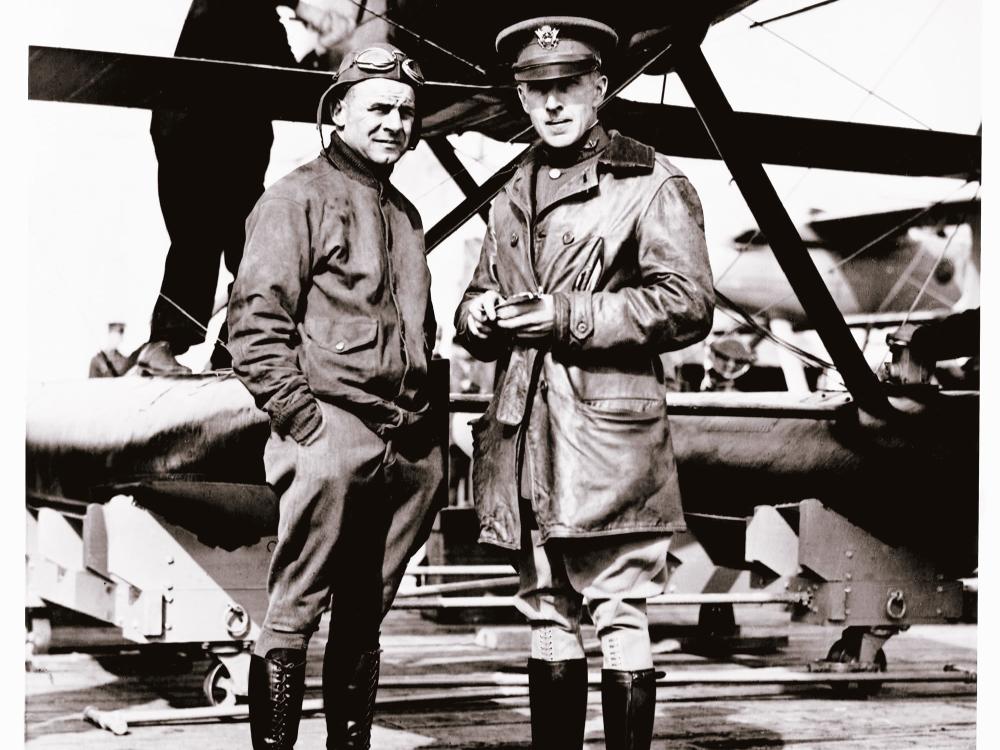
(350, 683)
(629, 703)
(276, 687)
(557, 694)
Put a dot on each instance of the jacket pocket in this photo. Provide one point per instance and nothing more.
(340, 354)
(343, 336)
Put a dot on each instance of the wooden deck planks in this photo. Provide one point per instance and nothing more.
(927, 716)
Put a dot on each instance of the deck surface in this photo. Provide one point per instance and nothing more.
(904, 715)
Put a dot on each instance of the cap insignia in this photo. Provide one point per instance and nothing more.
(548, 37)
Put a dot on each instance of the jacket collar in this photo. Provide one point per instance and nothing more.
(344, 158)
(627, 156)
(593, 142)
(622, 156)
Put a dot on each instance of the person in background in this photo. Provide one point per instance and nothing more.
(212, 155)
(109, 362)
(594, 263)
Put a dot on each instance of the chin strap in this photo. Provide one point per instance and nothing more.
(319, 113)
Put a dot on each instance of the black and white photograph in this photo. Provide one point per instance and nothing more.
(443, 375)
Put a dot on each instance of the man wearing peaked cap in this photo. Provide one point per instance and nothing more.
(556, 47)
(594, 263)
(331, 330)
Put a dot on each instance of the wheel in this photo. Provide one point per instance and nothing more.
(218, 686)
(39, 633)
(847, 651)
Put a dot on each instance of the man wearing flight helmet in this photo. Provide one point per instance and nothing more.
(331, 330)
(594, 263)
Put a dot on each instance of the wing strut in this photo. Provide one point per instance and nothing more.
(476, 201)
(445, 154)
(772, 218)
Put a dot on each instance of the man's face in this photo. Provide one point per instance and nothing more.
(375, 118)
(562, 110)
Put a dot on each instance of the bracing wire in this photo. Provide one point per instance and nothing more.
(809, 170)
(930, 275)
(363, 7)
(790, 14)
(733, 310)
(872, 243)
(843, 75)
(186, 314)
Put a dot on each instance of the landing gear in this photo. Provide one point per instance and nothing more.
(717, 620)
(38, 631)
(218, 686)
(859, 649)
(225, 682)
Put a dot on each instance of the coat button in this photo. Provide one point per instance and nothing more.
(513, 238)
(581, 326)
(339, 346)
(567, 238)
(555, 174)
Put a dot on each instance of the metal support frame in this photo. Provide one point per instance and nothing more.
(445, 153)
(854, 578)
(476, 201)
(720, 121)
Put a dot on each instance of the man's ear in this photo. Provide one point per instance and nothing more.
(601, 86)
(522, 97)
(337, 115)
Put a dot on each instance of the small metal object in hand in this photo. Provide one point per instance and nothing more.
(518, 304)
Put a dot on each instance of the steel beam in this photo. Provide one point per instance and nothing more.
(474, 203)
(445, 154)
(805, 141)
(748, 172)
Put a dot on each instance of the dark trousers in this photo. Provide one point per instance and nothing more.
(354, 507)
(212, 156)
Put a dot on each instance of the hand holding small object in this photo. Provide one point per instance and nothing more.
(482, 316)
(528, 316)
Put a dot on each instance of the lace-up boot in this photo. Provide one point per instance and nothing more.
(276, 687)
(350, 683)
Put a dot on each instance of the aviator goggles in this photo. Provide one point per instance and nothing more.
(371, 62)
(378, 60)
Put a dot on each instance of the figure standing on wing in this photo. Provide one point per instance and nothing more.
(594, 263)
(331, 330)
(211, 157)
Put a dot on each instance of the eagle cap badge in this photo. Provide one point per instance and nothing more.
(548, 36)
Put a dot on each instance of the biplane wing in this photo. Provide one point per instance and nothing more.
(144, 81)
(841, 231)
(881, 467)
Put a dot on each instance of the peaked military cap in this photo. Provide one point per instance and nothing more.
(549, 47)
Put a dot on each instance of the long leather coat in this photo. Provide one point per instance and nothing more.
(579, 423)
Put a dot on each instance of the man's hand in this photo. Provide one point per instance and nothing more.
(482, 316)
(321, 20)
(530, 321)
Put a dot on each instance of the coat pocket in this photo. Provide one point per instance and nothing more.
(340, 352)
(611, 461)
